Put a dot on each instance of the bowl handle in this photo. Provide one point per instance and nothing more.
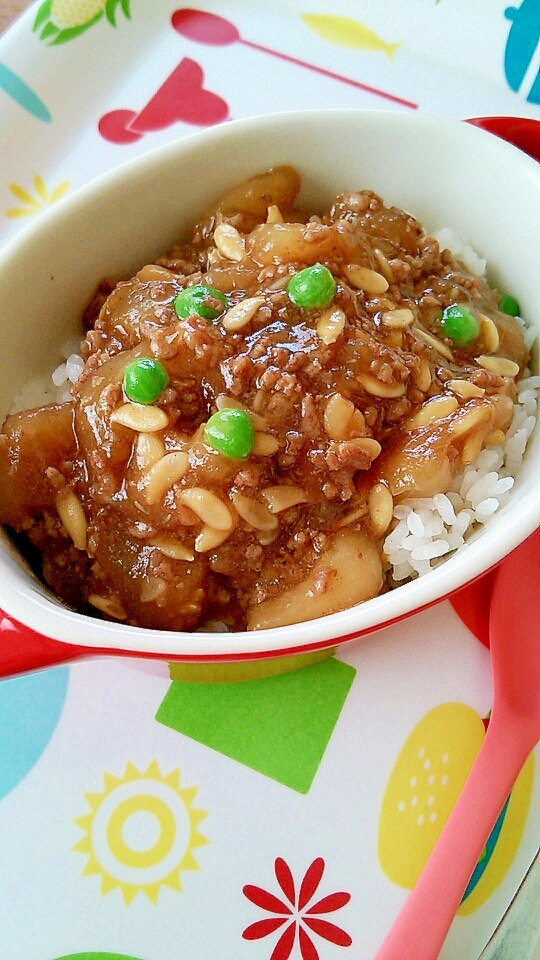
(523, 132)
(22, 649)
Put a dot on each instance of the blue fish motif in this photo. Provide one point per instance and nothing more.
(19, 91)
(521, 44)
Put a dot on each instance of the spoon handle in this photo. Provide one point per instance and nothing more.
(421, 927)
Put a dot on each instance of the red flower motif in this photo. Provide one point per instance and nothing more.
(296, 914)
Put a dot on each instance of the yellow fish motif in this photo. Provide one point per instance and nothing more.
(349, 33)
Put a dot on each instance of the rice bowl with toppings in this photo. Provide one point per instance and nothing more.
(482, 504)
(251, 413)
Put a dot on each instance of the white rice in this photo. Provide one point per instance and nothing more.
(430, 529)
(462, 251)
(68, 372)
(55, 389)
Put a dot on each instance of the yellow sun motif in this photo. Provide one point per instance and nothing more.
(141, 832)
(41, 198)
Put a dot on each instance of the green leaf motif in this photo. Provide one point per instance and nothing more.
(49, 30)
(42, 14)
(63, 36)
(110, 11)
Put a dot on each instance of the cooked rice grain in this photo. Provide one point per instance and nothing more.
(55, 388)
(462, 251)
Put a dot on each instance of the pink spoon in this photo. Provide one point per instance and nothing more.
(513, 732)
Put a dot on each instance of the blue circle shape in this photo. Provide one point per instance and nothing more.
(30, 707)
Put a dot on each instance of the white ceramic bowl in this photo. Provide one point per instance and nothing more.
(444, 172)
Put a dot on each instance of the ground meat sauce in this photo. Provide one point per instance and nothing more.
(354, 405)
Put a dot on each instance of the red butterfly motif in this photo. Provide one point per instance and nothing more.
(182, 97)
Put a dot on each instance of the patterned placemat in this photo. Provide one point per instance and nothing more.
(152, 818)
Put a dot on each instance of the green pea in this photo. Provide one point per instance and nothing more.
(192, 300)
(231, 432)
(460, 324)
(145, 380)
(509, 305)
(312, 287)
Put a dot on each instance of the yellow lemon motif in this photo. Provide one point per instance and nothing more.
(422, 790)
(424, 786)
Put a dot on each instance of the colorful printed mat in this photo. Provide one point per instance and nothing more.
(144, 818)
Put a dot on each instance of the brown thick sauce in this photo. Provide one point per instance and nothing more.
(337, 398)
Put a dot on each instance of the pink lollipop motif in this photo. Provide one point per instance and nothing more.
(205, 27)
(215, 31)
(183, 97)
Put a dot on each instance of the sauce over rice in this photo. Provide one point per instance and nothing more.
(253, 409)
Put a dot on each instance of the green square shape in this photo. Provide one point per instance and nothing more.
(279, 726)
